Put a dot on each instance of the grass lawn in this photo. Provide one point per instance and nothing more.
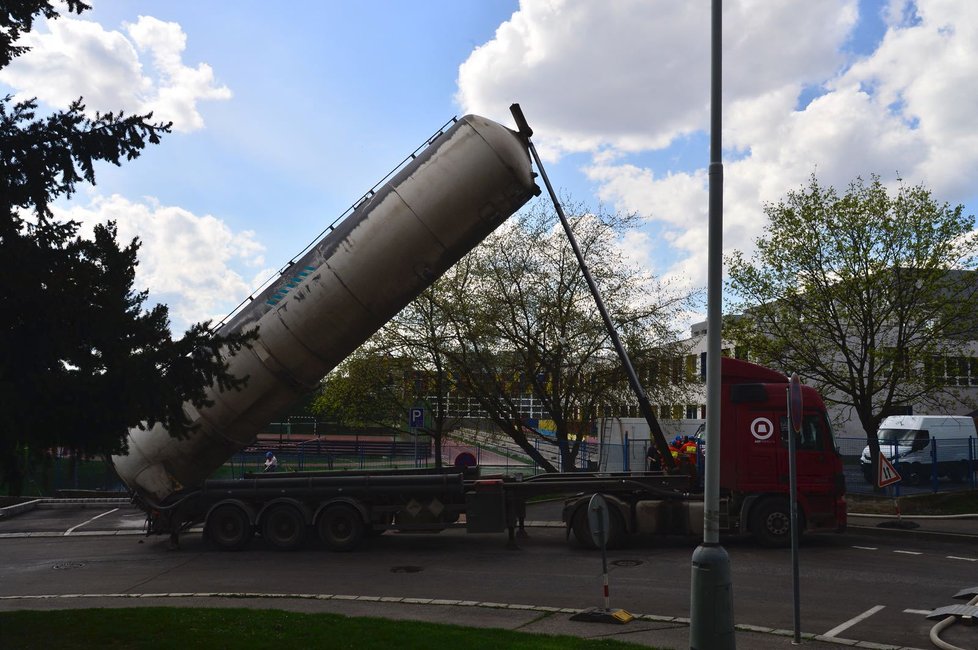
(251, 629)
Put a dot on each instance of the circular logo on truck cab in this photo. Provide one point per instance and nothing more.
(761, 428)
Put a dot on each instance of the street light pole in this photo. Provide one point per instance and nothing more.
(711, 591)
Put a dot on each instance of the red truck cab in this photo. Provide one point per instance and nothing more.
(754, 476)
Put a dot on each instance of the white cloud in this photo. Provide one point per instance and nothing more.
(72, 58)
(623, 77)
(634, 74)
(192, 263)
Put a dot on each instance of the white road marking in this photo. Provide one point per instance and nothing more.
(909, 552)
(74, 528)
(923, 612)
(852, 621)
(966, 559)
(866, 548)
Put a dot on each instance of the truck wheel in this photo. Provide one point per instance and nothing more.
(340, 527)
(770, 523)
(229, 527)
(582, 529)
(284, 527)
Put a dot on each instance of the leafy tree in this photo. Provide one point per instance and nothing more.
(514, 319)
(422, 335)
(369, 388)
(523, 323)
(377, 386)
(81, 362)
(865, 295)
(402, 366)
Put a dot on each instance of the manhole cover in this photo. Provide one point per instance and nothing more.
(69, 565)
(626, 563)
(406, 569)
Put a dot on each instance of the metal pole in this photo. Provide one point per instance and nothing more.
(643, 402)
(604, 564)
(711, 592)
(793, 495)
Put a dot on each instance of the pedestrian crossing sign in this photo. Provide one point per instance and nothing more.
(887, 474)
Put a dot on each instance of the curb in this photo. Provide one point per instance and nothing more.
(678, 620)
(915, 533)
(891, 516)
(46, 503)
(18, 508)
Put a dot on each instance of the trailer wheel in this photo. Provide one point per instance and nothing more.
(340, 527)
(284, 527)
(582, 529)
(229, 527)
(770, 523)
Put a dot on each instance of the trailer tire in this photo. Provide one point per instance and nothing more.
(770, 523)
(340, 527)
(229, 527)
(284, 527)
(582, 529)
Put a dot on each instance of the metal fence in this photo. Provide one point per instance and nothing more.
(60, 475)
(937, 465)
(952, 466)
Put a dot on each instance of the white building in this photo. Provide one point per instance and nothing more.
(960, 376)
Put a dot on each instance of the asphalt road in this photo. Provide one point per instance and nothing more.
(869, 588)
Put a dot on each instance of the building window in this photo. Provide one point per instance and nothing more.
(952, 371)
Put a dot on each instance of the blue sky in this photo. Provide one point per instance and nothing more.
(285, 115)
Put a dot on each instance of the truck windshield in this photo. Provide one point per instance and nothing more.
(814, 429)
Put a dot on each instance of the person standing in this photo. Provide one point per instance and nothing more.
(652, 463)
(271, 463)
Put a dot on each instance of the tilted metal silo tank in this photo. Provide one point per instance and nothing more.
(344, 288)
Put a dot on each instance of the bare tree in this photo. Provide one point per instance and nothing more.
(525, 325)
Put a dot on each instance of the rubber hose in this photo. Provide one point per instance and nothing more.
(943, 625)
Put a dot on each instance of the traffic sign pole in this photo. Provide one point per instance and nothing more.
(600, 524)
(795, 419)
(415, 422)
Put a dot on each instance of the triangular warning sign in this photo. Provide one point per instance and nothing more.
(887, 474)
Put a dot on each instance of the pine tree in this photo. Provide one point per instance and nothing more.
(81, 360)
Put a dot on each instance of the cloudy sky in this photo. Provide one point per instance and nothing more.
(284, 117)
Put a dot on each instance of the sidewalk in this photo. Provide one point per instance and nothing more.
(962, 528)
(662, 632)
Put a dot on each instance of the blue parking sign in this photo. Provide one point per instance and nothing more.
(416, 418)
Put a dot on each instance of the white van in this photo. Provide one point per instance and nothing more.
(913, 441)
